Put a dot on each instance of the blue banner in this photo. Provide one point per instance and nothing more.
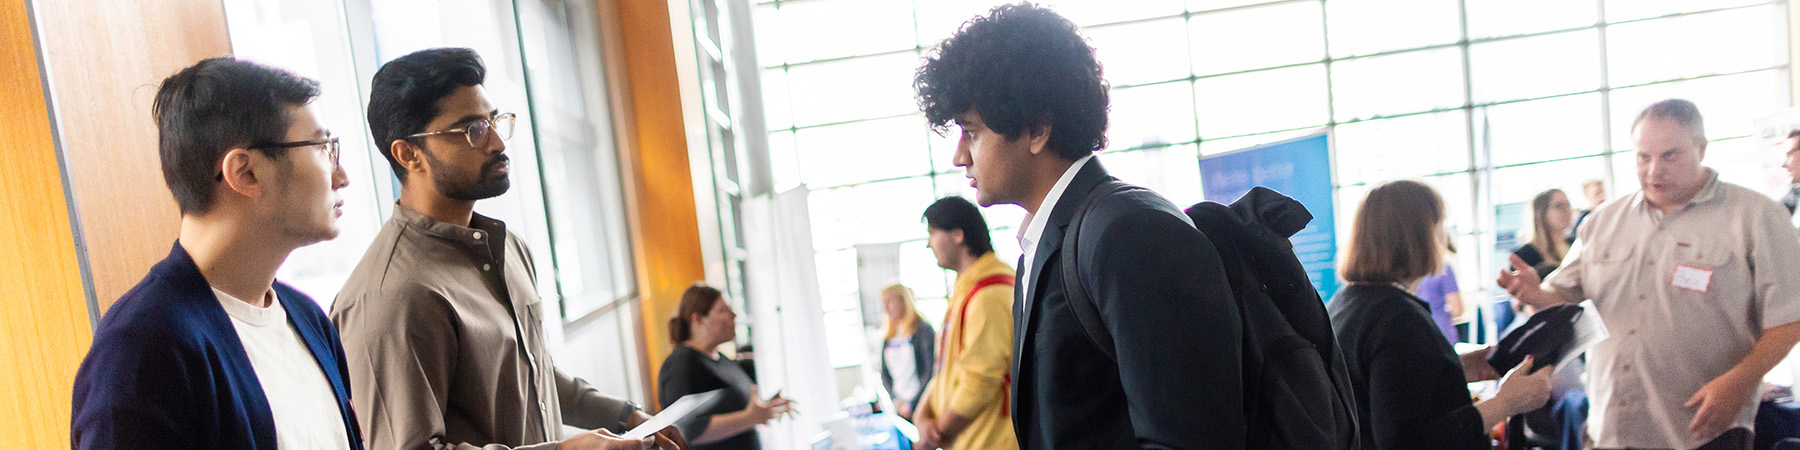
(1299, 168)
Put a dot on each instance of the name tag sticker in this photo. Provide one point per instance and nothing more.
(1692, 278)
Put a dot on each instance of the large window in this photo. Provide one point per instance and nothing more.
(566, 203)
(574, 129)
(1489, 101)
(312, 42)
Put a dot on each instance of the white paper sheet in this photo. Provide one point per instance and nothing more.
(683, 408)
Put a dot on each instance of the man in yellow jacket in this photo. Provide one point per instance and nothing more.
(967, 405)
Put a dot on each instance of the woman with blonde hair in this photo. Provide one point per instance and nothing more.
(1410, 385)
(908, 351)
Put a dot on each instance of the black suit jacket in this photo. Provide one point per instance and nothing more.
(1161, 292)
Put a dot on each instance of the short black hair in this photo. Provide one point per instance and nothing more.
(957, 213)
(213, 106)
(406, 91)
(1020, 66)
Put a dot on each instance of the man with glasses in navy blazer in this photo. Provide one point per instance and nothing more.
(209, 351)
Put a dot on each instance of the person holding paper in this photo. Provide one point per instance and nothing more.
(704, 322)
(441, 319)
(1410, 384)
(1697, 281)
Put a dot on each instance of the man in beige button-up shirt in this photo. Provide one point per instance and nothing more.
(1699, 284)
(441, 322)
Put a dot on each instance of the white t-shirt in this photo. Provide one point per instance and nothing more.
(904, 368)
(305, 408)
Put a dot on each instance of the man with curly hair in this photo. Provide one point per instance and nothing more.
(1024, 89)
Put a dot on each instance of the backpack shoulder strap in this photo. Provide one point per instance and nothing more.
(962, 314)
(1087, 314)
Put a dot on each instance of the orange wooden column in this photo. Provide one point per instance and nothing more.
(105, 61)
(44, 327)
(659, 189)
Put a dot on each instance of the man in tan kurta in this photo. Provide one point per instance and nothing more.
(441, 322)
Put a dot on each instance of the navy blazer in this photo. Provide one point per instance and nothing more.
(167, 369)
(1162, 294)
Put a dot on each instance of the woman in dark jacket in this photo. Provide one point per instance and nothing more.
(704, 322)
(908, 350)
(1411, 386)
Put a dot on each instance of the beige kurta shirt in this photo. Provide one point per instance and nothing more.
(1684, 296)
(442, 330)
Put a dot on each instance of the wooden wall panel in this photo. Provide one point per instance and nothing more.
(659, 188)
(105, 60)
(43, 314)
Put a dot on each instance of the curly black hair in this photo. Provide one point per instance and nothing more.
(1020, 66)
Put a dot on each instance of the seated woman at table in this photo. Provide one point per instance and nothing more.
(704, 322)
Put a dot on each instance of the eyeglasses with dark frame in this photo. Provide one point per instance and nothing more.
(331, 149)
(478, 132)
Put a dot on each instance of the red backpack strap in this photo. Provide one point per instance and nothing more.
(963, 314)
(985, 282)
(946, 338)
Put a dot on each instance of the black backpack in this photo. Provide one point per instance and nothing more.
(1296, 386)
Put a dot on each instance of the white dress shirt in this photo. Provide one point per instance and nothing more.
(1035, 223)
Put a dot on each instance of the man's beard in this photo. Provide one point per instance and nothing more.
(476, 186)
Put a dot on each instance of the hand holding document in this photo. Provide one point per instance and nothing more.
(685, 407)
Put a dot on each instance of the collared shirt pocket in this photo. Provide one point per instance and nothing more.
(1605, 267)
(1698, 264)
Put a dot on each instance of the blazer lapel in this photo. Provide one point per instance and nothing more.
(195, 292)
(1019, 335)
(320, 348)
(1048, 246)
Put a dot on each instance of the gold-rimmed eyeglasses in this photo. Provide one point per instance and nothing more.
(479, 131)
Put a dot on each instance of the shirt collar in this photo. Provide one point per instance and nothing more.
(1707, 193)
(1035, 223)
(1710, 190)
(985, 266)
(481, 232)
(271, 315)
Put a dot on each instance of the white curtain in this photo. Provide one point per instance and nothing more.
(788, 325)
